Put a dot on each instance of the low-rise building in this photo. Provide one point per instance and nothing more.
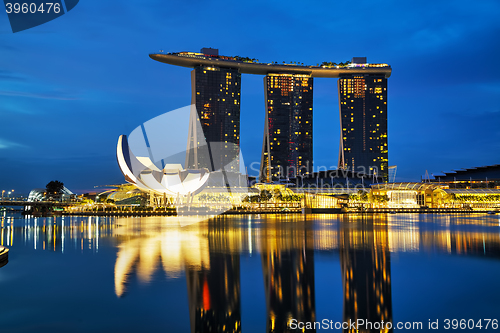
(435, 195)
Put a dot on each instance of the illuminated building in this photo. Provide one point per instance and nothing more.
(287, 149)
(436, 195)
(366, 272)
(251, 66)
(364, 142)
(342, 178)
(363, 122)
(478, 177)
(40, 194)
(172, 180)
(158, 163)
(216, 94)
(410, 195)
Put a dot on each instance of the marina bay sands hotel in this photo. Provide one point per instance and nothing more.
(287, 149)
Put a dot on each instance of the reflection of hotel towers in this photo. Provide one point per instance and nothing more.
(214, 292)
(366, 271)
(288, 266)
(363, 122)
(216, 95)
(287, 146)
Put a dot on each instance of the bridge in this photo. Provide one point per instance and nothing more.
(23, 203)
(36, 206)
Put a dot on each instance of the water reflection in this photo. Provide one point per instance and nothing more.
(55, 234)
(214, 292)
(366, 271)
(145, 243)
(288, 269)
(208, 255)
(452, 234)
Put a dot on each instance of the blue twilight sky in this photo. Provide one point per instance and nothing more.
(70, 87)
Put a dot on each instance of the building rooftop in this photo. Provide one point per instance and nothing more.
(472, 191)
(489, 172)
(410, 186)
(252, 66)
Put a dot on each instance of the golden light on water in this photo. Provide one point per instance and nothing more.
(157, 245)
(167, 247)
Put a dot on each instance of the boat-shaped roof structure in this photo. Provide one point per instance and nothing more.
(249, 66)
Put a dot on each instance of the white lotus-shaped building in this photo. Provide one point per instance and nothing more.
(172, 179)
(168, 156)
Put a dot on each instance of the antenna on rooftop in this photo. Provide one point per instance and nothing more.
(392, 173)
(426, 177)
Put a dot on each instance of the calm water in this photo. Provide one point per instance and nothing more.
(246, 273)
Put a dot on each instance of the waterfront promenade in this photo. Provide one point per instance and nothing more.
(318, 205)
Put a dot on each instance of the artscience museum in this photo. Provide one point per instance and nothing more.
(176, 166)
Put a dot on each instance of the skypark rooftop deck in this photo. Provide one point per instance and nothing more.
(192, 59)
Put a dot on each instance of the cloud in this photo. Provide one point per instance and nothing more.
(37, 95)
(6, 144)
(8, 75)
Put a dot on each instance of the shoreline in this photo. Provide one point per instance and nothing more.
(294, 211)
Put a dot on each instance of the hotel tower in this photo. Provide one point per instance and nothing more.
(215, 91)
(287, 149)
(363, 122)
(287, 145)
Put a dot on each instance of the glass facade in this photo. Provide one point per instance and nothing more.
(287, 146)
(363, 121)
(216, 94)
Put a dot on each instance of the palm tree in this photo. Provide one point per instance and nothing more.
(54, 188)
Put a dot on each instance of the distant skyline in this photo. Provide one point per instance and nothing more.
(71, 87)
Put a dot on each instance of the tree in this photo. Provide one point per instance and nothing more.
(277, 194)
(54, 189)
(265, 195)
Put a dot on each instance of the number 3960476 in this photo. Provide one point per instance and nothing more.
(32, 8)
